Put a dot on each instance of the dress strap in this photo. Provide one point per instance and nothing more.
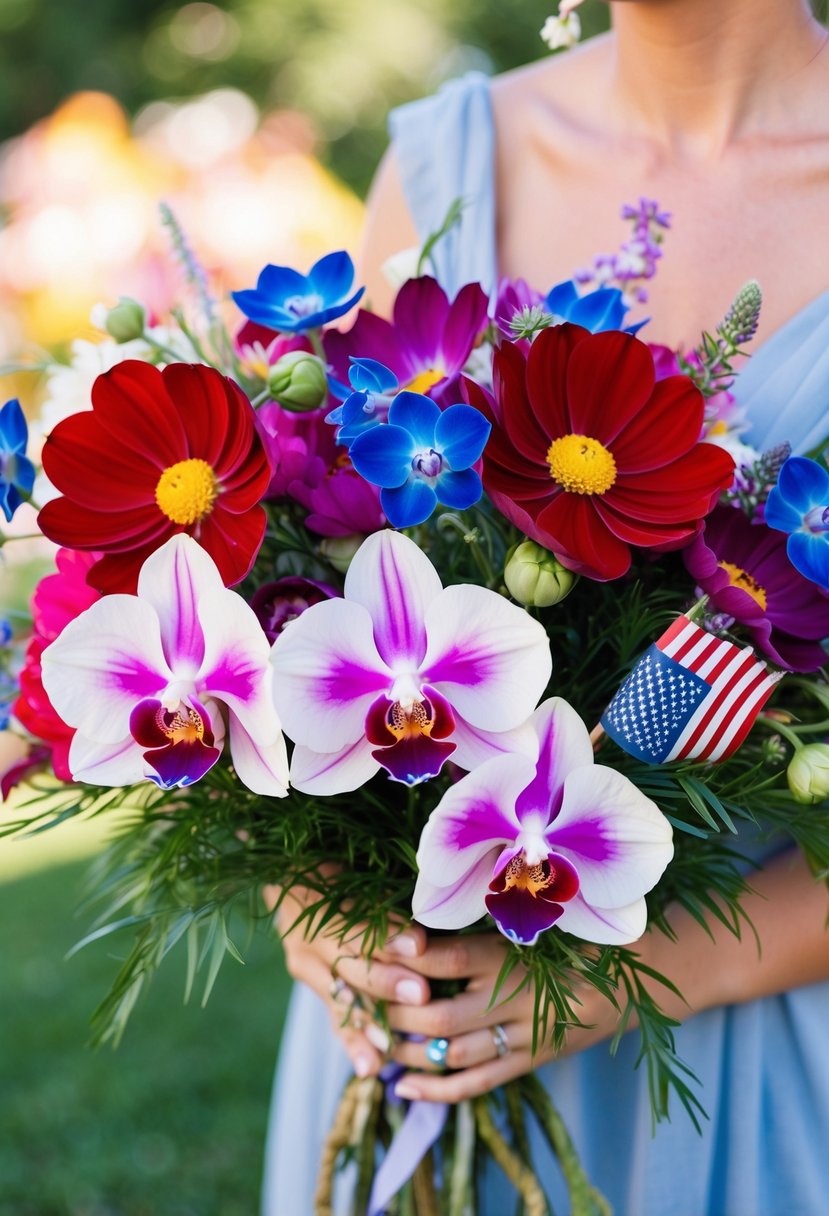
(445, 147)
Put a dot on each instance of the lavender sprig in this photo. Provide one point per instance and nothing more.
(637, 257)
(195, 274)
(711, 366)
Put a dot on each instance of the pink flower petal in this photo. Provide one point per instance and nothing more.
(618, 840)
(327, 673)
(605, 926)
(120, 763)
(456, 906)
(263, 768)
(488, 657)
(332, 772)
(472, 818)
(174, 580)
(104, 662)
(563, 744)
(395, 581)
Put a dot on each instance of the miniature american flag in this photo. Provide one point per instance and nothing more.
(691, 696)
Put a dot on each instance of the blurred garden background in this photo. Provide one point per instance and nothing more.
(259, 122)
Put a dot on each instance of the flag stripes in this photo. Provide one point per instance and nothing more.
(692, 696)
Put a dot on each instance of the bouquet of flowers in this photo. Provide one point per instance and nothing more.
(500, 566)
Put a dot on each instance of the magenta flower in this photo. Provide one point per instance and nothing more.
(300, 447)
(542, 840)
(425, 345)
(402, 673)
(745, 571)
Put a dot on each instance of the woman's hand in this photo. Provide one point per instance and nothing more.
(350, 983)
(488, 1043)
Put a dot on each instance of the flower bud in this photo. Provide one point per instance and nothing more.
(126, 321)
(339, 550)
(808, 773)
(535, 577)
(298, 381)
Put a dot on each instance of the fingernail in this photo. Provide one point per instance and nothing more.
(377, 1036)
(406, 1089)
(363, 1065)
(408, 991)
(403, 944)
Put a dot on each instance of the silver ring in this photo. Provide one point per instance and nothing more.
(500, 1041)
(436, 1050)
(337, 987)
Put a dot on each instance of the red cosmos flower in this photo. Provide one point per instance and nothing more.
(589, 455)
(160, 452)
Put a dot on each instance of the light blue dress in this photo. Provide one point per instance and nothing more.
(764, 1066)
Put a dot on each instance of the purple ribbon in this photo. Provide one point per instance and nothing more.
(421, 1127)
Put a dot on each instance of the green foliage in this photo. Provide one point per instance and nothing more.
(345, 65)
(173, 1123)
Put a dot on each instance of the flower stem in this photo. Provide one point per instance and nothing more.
(521, 1176)
(463, 1164)
(518, 1129)
(336, 1140)
(585, 1199)
(423, 1186)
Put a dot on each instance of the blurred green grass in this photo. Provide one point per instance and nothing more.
(172, 1123)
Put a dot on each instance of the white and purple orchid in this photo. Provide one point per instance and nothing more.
(536, 842)
(153, 681)
(403, 673)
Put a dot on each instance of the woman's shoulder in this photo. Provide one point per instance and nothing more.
(559, 95)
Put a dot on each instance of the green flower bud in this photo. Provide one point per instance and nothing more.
(535, 577)
(126, 321)
(808, 773)
(339, 550)
(298, 381)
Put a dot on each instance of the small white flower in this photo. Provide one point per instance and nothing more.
(401, 266)
(561, 32)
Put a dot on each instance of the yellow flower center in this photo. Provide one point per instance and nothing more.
(742, 579)
(186, 491)
(423, 381)
(184, 725)
(581, 465)
(528, 878)
(408, 722)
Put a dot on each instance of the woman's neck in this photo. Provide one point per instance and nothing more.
(695, 75)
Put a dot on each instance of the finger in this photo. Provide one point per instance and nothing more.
(461, 957)
(366, 1060)
(470, 1010)
(383, 981)
(465, 1051)
(469, 1082)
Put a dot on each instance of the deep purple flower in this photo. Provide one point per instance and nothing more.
(744, 570)
(425, 345)
(278, 603)
(339, 501)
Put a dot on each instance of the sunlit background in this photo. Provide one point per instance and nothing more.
(259, 122)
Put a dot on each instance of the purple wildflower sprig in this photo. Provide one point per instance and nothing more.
(756, 479)
(636, 260)
(711, 367)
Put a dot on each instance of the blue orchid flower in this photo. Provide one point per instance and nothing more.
(422, 456)
(598, 310)
(291, 302)
(799, 505)
(374, 387)
(17, 473)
